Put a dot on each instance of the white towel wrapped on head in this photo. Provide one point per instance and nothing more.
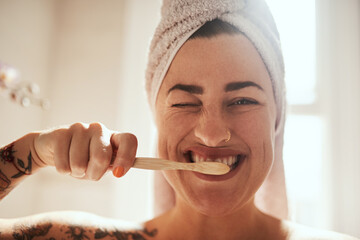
(181, 18)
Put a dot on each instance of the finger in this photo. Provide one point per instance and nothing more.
(79, 152)
(61, 151)
(100, 153)
(126, 145)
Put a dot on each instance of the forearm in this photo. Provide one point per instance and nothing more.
(71, 225)
(17, 162)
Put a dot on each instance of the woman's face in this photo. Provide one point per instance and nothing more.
(214, 85)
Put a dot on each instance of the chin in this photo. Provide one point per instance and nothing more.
(216, 203)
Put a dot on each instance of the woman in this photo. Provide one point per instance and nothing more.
(215, 87)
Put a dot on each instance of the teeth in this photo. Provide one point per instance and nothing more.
(198, 158)
(231, 160)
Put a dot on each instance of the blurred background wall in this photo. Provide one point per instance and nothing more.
(89, 58)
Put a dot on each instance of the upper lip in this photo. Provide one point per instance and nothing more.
(213, 153)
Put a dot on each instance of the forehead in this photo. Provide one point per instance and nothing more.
(217, 61)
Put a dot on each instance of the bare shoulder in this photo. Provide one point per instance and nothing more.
(301, 232)
(72, 225)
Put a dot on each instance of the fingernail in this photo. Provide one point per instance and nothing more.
(118, 172)
(78, 175)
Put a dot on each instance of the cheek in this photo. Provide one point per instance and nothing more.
(172, 129)
(257, 131)
(253, 125)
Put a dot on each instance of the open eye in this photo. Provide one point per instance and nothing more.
(244, 101)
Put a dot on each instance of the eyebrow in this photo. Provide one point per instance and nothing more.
(193, 89)
(239, 85)
(233, 86)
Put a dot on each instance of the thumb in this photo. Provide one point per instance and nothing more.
(124, 152)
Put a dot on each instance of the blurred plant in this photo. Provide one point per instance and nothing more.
(24, 93)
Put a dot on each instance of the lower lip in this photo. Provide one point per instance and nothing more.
(224, 177)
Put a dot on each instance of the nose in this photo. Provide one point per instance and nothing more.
(211, 129)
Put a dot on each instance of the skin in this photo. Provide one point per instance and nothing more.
(207, 207)
(198, 121)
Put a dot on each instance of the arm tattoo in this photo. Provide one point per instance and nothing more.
(7, 156)
(4, 182)
(20, 166)
(77, 233)
(31, 232)
(123, 235)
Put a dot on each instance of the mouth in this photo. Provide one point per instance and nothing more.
(232, 160)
